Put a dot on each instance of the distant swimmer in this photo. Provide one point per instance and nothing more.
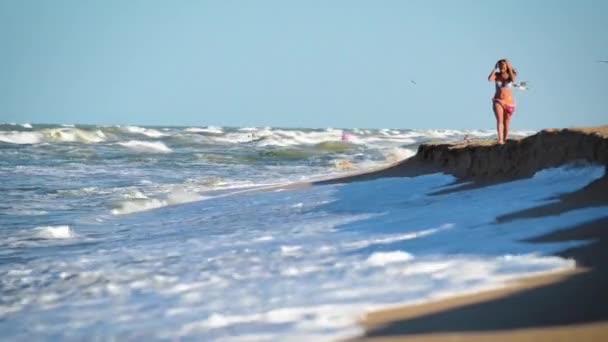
(504, 76)
(346, 136)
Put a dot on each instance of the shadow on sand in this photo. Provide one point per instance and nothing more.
(579, 298)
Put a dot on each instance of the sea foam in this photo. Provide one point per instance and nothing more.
(54, 232)
(74, 135)
(209, 129)
(146, 146)
(384, 258)
(141, 202)
(153, 133)
(21, 138)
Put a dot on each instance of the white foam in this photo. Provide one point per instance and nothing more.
(26, 125)
(385, 258)
(248, 129)
(293, 271)
(217, 321)
(291, 250)
(153, 133)
(74, 135)
(137, 194)
(141, 202)
(284, 138)
(21, 138)
(183, 196)
(397, 154)
(310, 322)
(396, 237)
(54, 232)
(146, 146)
(195, 130)
(265, 238)
(208, 129)
(134, 206)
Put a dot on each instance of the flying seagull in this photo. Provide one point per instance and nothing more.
(413, 82)
(521, 85)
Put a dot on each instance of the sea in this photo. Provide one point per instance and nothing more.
(211, 233)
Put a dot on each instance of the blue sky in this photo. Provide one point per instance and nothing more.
(307, 63)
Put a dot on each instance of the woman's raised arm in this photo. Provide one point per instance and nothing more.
(512, 72)
(492, 76)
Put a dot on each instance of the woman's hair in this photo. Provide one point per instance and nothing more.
(505, 61)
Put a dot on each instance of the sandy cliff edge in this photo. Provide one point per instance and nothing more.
(486, 161)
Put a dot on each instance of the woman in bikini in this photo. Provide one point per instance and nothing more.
(503, 102)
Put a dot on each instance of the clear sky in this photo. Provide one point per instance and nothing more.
(287, 63)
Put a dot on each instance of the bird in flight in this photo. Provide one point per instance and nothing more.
(602, 61)
(521, 85)
(413, 82)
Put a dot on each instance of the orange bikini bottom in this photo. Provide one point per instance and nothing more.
(510, 109)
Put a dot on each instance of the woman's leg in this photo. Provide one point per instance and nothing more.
(506, 125)
(500, 114)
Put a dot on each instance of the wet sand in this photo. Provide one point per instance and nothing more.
(564, 306)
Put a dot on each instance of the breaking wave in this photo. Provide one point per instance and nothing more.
(143, 203)
(146, 146)
(54, 232)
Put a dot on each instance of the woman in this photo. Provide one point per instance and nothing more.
(504, 76)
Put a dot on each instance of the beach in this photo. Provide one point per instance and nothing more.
(270, 234)
(566, 306)
(303, 171)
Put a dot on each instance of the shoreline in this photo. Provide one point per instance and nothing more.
(562, 306)
(570, 305)
(559, 306)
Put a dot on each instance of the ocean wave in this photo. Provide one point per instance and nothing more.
(291, 251)
(140, 202)
(335, 146)
(21, 138)
(384, 258)
(321, 316)
(135, 206)
(54, 233)
(388, 239)
(149, 132)
(397, 154)
(301, 152)
(274, 141)
(146, 146)
(74, 135)
(287, 154)
(248, 129)
(14, 125)
(327, 140)
(208, 129)
(240, 137)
